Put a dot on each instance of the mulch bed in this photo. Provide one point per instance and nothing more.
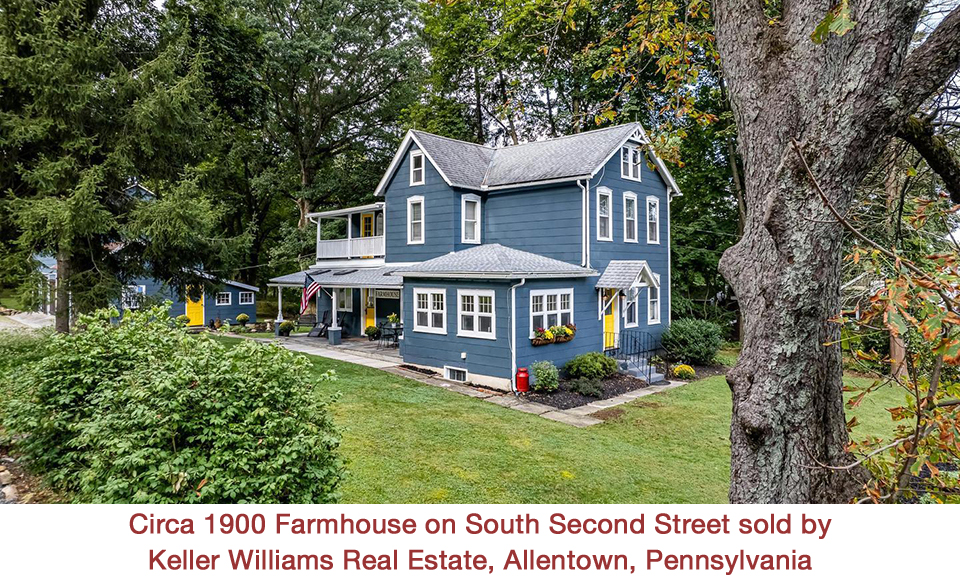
(564, 399)
(708, 371)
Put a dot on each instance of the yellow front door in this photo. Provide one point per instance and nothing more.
(195, 311)
(610, 320)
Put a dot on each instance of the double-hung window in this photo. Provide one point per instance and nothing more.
(653, 220)
(429, 311)
(548, 308)
(630, 309)
(416, 168)
(415, 219)
(475, 314)
(223, 299)
(604, 214)
(653, 304)
(132, 297)
(630, 217)
(630, 159)
(344, 300)
(246, 298)
(470, 222)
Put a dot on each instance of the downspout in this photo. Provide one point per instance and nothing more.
(669, 259)
(513, 335)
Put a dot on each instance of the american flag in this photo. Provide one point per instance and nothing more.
(308, 292)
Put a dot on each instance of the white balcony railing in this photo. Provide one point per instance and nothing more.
(346, 248)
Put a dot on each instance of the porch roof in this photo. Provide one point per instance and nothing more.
(341, 277)
(625, 274)
(347, 210)
(494, 261)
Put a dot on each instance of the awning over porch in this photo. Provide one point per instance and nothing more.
(627, 274)
(343, 277)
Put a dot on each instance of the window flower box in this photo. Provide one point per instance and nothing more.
(553, 335)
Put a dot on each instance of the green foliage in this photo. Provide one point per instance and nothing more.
(592, 365)
(183, 319)
(837, 21)
(692, 341)
(140, 411)
(287, 326)
(546, 377)
(243, 319)
(371, 331)
(587, 387)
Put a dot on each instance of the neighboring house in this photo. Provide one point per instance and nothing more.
(233, 299)
(477, 247)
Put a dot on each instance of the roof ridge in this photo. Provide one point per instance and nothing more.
(454, 140)
(561, 137)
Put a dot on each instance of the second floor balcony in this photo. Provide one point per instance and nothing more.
(358, 235)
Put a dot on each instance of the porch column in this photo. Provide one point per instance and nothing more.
(350, 236)
(333, 332)
(279, 304)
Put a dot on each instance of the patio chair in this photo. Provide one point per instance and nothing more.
(319, 330)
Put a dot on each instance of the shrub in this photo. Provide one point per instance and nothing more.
(692, 341)
(287, 326)
(587, 387)
(371, 332)
(684, 372)
(592, 365)
(142, 412)
(546, 377)
(243, 319)
(183, 319)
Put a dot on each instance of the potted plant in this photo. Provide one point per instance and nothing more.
(542, 337)
(372, 332)
(286, 327)
(563, 333)
(242, 319)
(393, 319)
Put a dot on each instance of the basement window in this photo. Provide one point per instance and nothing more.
(455, 374)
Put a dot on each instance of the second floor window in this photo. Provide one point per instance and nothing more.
(476, 316)
(470, 227)
(429, 313)
(416, 168)
(550, 308)
(415, 220)
(653, 220)
(630, 217)
(630, 159)
(604, 210)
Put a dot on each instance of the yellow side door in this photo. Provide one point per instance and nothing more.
(369, 304)
(366, 228)
(609, 320)
(195, 311)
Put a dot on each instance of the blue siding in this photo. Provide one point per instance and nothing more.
(486, 357)
(546, 221)
(441, 210)
(657, 256)
(353, 320)
(157, 291)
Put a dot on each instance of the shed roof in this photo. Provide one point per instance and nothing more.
(492, 260)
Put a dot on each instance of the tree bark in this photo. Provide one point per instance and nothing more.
(842, 100)
(62, 310)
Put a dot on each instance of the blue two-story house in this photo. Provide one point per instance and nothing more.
(481, 250)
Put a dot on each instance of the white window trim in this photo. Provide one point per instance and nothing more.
(246, 303)
(636, 311)
(430, 311)
(545, 293)
(133, 290)
(633, 149)
(446, 373)
(423, 220)
(601, 191)
(476, 293)
(636, 217)
(216, 299)
(470, 197)
(650, 319)
(646, 217)
(347, 304)
(423, 168)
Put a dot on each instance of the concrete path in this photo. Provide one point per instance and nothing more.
(26, 321)
(579, 417)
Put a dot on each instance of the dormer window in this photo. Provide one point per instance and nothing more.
(416, 168)
(630, 159)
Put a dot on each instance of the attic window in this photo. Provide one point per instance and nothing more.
(416, 168)
(630, 160)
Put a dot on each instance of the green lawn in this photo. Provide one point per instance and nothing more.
(409, 442)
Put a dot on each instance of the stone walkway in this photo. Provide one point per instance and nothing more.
(579, 416)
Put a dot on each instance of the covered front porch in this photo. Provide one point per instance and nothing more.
(362, 234)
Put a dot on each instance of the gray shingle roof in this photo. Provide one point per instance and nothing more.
(494, 260)
(622, 274)
(465, 164)
(376, 277)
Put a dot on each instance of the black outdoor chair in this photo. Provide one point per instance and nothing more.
(319, 330)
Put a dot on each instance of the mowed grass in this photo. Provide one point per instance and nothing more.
(407, 442)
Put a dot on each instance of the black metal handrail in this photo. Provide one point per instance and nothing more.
(634, 347)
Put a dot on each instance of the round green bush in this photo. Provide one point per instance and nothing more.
(692, 341)
(142, 412)
(287, 326)
(183, 319)
(546, 377)
(592, 365)
(587, 387)
(243, 319)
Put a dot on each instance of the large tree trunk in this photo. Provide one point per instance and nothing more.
(841, 101)
(62, 311)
